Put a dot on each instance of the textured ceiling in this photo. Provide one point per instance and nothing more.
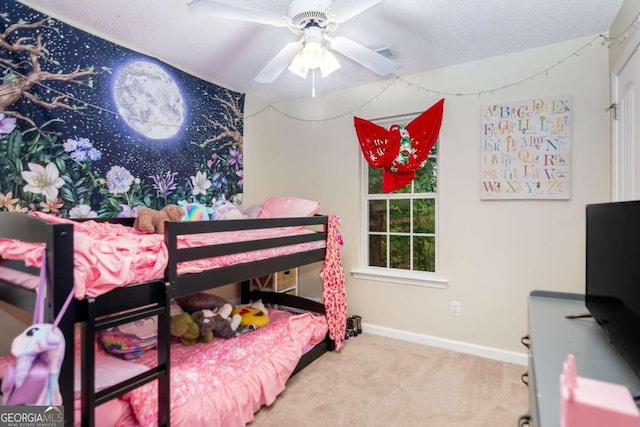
(422, 34)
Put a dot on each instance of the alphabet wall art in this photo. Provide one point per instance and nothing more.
(526, 149)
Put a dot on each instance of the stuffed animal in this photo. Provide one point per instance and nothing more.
(185, 327)
(254, 314)
(225, 324)
(152, 221)
(219, 321)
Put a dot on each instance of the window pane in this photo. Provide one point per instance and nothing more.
(434, 150)
(424, 253)
(426, 178)
(375, 180)
(399, 216)
(377, 251)
(400, 252)
(424, 216)
(378, 215)
(403, 190)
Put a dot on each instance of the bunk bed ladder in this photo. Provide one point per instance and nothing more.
(90, 399)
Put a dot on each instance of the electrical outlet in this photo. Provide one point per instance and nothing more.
(455, 308)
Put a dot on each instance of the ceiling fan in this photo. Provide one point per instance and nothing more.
(314, 20)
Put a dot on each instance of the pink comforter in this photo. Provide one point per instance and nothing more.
(108, 256)
(223, 383)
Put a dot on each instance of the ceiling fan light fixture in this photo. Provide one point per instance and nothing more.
(329, 63)
(298, 66)
(313, 56)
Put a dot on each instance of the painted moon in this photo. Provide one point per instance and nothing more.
(148, 99)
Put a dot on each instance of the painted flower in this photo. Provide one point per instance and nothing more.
(81, 150)
(213, 161)
(94, 154)
(82, 211)
(164, 185)
(220, 180)
(235, 158)
(6, 201)
(119, 180)
(84, 143)
(70, 145)
(52, 206)
(200, 183)
(17, 208)
(7, 124)
(127, 211)
(240, 175)
(79, 156)
(43, 180)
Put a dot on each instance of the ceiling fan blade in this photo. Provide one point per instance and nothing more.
(224, 10)
(364, 56)
(343, 10)
(279, 63)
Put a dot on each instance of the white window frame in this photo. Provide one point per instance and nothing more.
(394, 275)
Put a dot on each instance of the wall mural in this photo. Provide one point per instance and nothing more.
(89, 128)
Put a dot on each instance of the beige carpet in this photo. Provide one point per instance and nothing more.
(377, 381)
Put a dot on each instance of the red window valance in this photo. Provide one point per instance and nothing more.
(400, 150)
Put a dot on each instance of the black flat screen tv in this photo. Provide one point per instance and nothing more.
(613, 274)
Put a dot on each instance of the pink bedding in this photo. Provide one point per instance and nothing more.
(222, 383)
(107, 256)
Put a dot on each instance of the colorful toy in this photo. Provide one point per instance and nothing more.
(590, 403)
(152, 221)
(33, 380)
(194, 211)
(254, 314)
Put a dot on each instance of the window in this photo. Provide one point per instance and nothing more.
(400, 227)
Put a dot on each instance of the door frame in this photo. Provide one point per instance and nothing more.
(621, 176)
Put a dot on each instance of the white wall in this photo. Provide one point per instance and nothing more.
(625, 18)
(493, 252)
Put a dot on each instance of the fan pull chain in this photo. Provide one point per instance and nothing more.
(313, 83)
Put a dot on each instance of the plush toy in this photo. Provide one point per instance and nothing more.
(225, 324)
(254, 314)
(152, 221)
(185, 327)
(219, 321)
(204, 320)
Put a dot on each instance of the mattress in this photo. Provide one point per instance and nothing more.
(221, 383)
(108, 256)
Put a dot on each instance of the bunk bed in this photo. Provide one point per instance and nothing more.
(98, 311)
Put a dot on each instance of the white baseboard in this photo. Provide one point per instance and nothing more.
(459, 346)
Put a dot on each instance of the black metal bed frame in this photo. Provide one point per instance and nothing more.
(138, 301)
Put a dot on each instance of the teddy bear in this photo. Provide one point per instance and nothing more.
(152, 221)
(185, 327)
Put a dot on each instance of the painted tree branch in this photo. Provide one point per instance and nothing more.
(27, 74)
(232, 115)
